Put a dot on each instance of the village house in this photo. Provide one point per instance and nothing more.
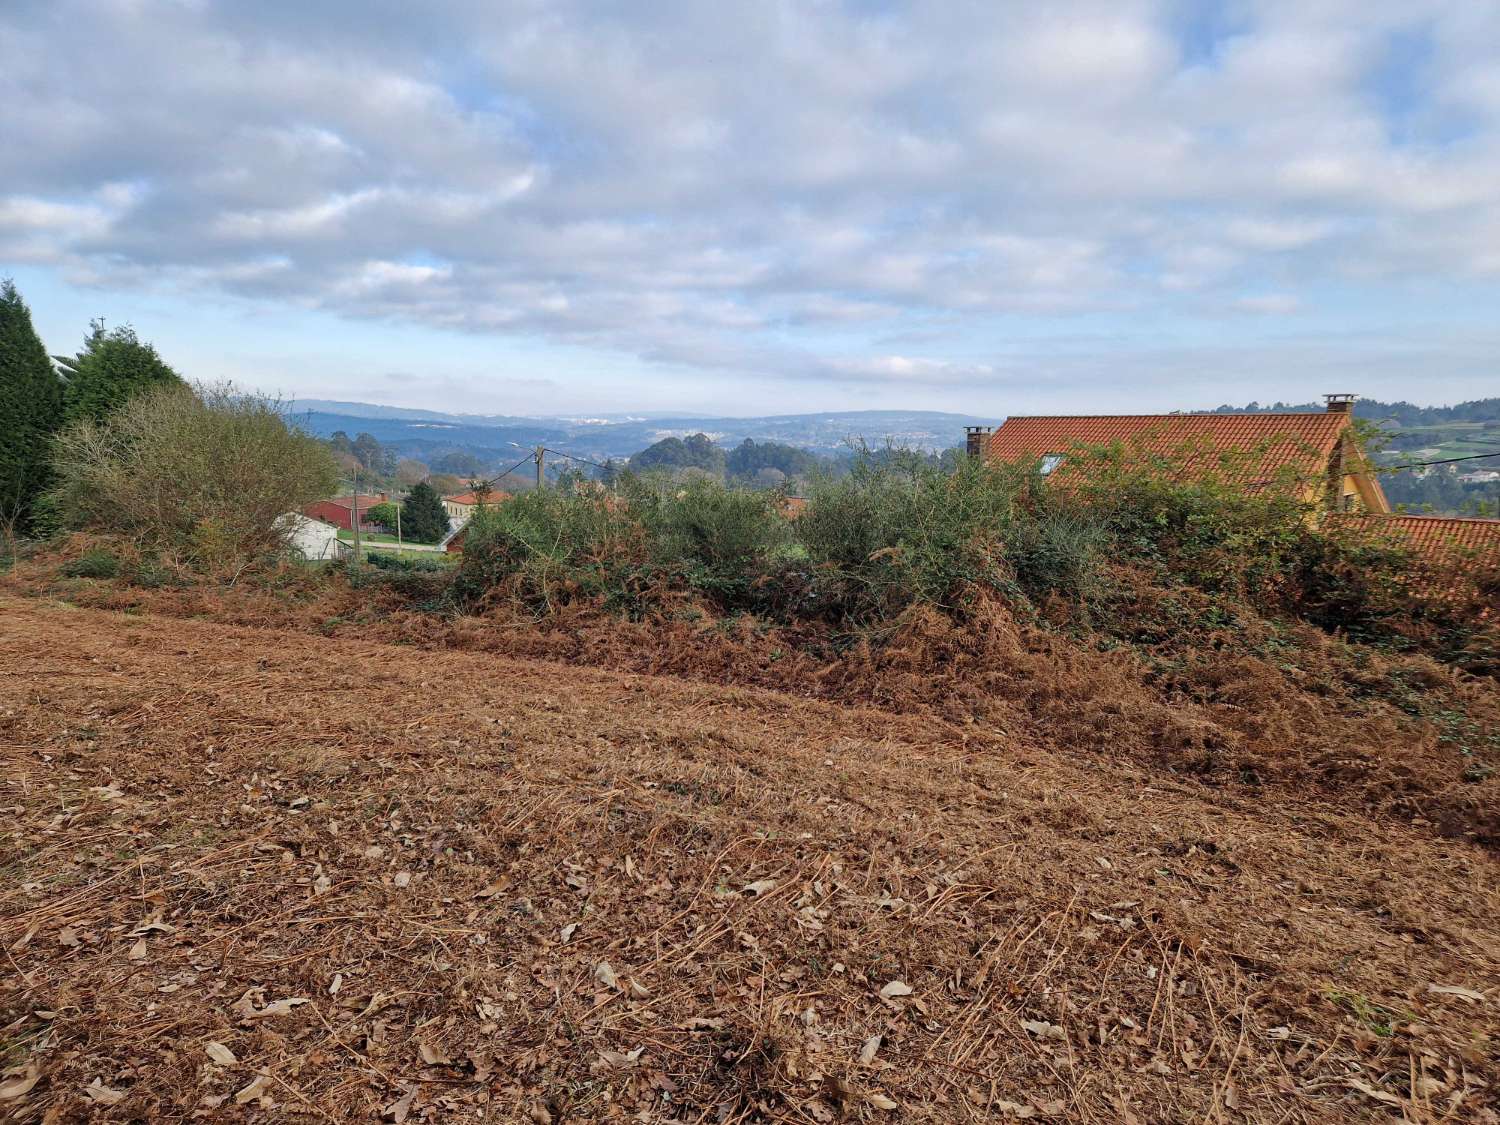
(1316, 454)
(339, 511)
(461, 505)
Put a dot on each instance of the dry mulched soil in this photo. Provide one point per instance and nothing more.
(259, 875)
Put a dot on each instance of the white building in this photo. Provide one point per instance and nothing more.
(310, 538)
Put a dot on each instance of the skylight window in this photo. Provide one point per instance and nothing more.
(1050, 461)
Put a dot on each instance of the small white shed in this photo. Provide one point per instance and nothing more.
(313, 539)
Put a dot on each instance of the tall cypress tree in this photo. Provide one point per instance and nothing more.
(423, 519)
(30, 412)
(113, 367)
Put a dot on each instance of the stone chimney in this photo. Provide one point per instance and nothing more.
(1340, 404)
(978, 439)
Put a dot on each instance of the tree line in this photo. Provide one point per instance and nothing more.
(42, 395)
(112, 440)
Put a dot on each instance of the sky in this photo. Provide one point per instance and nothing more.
(570, 207)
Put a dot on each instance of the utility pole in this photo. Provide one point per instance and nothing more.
(355, 509)
(541, 480)
(398, 530)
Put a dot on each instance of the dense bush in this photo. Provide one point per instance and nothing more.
(201, 475)
(551, 544)
(901, 531)
(95, 563)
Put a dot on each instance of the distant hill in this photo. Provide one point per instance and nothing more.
(426, 434)
(1397, 413)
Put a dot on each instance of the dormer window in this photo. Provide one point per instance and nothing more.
(1050, 461)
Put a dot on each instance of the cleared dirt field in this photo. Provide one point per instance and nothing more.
(258, 875)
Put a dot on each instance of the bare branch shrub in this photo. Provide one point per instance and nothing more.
(200, 473)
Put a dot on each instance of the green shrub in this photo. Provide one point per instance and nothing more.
(547, 546)
(96, 563)
(904, 531)
(405, 563)
(717, 540)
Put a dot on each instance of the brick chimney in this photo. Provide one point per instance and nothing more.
(1340, 404)
(978, 439)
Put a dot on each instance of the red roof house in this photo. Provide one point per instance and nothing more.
(1315, 453)
(339, 511)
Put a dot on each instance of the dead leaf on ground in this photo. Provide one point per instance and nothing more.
(138, 950)
(618, 1060)
(246, 1008)
(220, 1053)
(568, 931)
(100, 1094)
(895, 988)
(1044, 1030)
(399, 1109)
(1457, 990)
(867, 1052)
(256, 1088)
(21, 1084)
(604, 973)
(881, 1101)
(760, 887)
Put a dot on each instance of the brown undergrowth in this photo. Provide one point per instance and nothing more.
(1248, 705)
(261, 875)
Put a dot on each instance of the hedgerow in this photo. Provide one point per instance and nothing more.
(900, 532)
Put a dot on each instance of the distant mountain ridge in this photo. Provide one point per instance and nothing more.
(425, 434)
(1402, 413)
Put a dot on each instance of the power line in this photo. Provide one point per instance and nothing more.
(575, 457)
(513, 468)
(1444, 461)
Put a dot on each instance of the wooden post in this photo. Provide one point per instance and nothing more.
(358, 559)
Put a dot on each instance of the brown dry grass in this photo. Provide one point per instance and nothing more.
(203, 820)
(1401, 736)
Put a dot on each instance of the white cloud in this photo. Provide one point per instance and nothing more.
(1269, 304)
(726, 187)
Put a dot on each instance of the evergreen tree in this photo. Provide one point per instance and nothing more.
(30, 412)
(113, 366)
(423, 519)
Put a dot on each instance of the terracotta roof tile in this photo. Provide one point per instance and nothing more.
(1300, 443)
(493, 497)
(1443, 536)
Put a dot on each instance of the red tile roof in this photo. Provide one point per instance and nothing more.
(471, 498)
(364, 501)
(1275, 443)
(1437, 537)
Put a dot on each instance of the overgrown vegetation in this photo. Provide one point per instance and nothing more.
(202, 475)
(899, 532)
